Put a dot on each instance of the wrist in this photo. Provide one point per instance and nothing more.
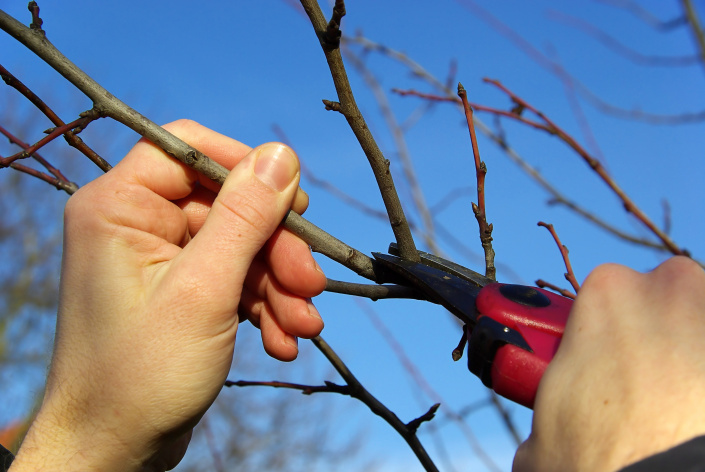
(54, 443)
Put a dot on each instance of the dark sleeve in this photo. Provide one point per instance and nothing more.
(686, 457)
(6, 458)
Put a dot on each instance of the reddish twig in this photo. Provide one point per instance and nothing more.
(70, 137)
(569, 275)
(549, 126)
(78, 123)
(66, 186)
(566, 293)
(479, 208)
(56, 173)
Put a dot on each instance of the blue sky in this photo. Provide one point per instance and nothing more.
(243, 67)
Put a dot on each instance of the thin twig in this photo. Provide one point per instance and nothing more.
(348, 108)
(569, 275)
(78, 123)
(70, 137)
(629, 205)
(694, 23)
(359, 392)
(56, 178)
(479, 208)
(329, 387)
(427, 387)
(108, 105)
(566, 293)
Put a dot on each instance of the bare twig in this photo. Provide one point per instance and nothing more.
(79, 123)
(569, 275)
(619, 48)
(479, 208)
(403, 152)
(107, 105)
(361, 393)
(566, 293)
(426, 386)
(373, 292)
(329, 387)
(694, 23)
(71, 138)
(636, 9)
(414, 424)
(57, 179)
(550, 127)
(348, 108)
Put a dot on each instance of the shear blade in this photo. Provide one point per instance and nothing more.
(456, 294)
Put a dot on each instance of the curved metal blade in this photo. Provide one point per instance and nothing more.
(455, 293)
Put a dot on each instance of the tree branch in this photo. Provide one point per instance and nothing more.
(107, 105)
(71, 138)
(378, 408)
(348, 108)
(480, 172)
(373, 292)
(569, 275)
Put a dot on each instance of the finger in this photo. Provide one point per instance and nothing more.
(277, 343)
(293, 265)
(294, 314)
(254, 199)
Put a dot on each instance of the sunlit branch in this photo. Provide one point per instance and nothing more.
(71, 138)
(105, 104)
(569, 275)
(348, 108)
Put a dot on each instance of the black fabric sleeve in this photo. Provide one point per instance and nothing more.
(6, 459)
(686, 457)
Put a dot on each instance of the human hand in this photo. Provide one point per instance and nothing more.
(628, 379)
(157, 265)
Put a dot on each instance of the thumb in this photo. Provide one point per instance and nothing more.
(251, 204)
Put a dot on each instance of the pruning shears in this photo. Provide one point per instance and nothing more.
(513, 331)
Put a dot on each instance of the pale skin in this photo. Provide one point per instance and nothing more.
(160, 266)
(628, 380)
(158, 271)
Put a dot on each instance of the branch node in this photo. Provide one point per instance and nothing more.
(331, 38)
(413, 425)
(37, 22)
(332, 106)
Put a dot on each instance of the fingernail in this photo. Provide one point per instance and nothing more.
(312, 311)
(276, 166)
(317, 267)
(292, 341)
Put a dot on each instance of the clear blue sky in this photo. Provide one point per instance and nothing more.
(243, 67)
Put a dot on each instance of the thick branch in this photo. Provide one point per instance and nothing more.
(348, 108)
(108, 105)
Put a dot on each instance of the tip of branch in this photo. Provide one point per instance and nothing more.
(461, 89)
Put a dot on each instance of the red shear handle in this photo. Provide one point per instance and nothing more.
(539, 317)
